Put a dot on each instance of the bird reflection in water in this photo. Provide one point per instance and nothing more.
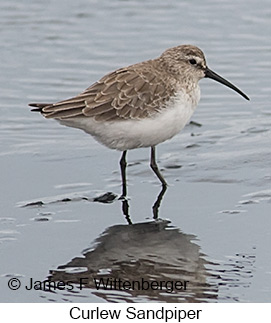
(150, 261)
(150, 251)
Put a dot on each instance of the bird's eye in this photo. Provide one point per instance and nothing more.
(192, 61)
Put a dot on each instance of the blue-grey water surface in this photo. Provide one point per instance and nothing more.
(215, 221)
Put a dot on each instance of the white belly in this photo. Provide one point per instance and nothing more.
(131, 134)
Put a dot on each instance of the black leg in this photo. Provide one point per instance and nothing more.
(123, 173)
(125, 204)
(155, 168)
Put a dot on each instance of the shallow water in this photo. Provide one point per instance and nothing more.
(215, 216)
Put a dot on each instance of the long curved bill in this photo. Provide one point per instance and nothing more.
(212, 75)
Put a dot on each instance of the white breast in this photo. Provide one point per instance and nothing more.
(131, 134)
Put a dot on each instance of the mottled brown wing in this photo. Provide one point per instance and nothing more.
(134, 92)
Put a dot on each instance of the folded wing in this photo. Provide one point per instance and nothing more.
(128, 93)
